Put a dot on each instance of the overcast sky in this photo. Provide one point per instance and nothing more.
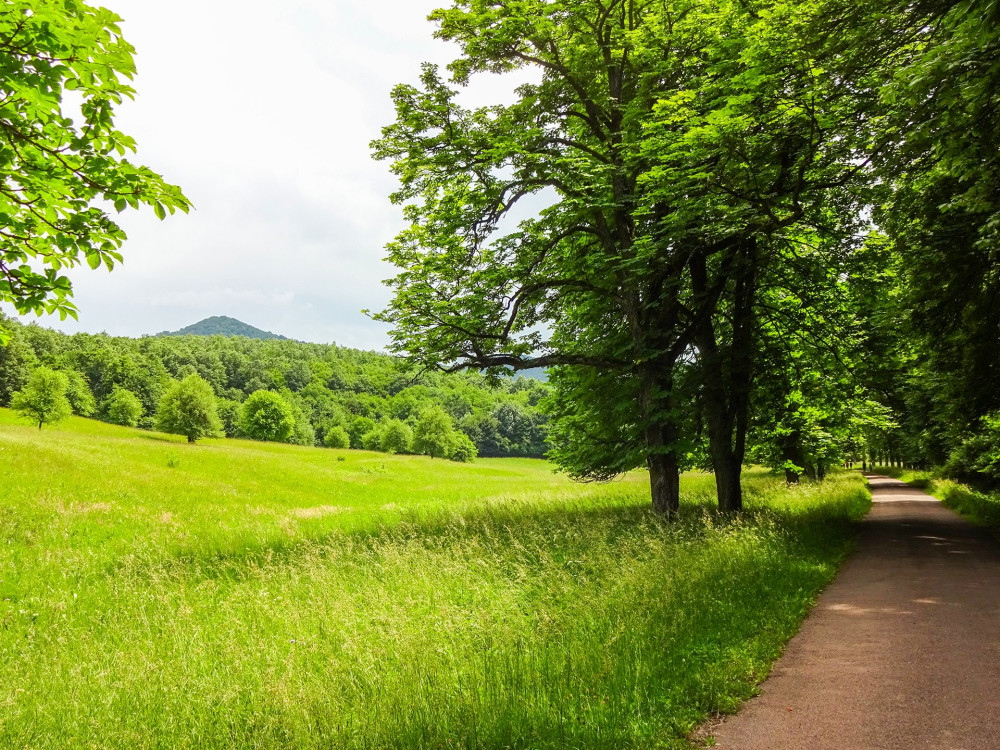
(262, 112)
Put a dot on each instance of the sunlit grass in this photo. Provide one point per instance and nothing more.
(236, 594)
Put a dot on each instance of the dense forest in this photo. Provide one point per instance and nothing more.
(332, 392)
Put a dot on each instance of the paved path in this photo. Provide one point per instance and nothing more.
(902, 650)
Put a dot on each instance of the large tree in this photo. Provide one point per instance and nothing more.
(189, 408)
(672, 146)
(64, 67)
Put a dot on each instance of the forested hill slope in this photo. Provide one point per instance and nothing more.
(336, 395)
(222, 325)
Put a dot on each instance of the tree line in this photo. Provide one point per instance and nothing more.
(284, 391)
(767, 229)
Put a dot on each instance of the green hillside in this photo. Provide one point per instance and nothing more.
(366, 394)
(221, 325)
(234, 594)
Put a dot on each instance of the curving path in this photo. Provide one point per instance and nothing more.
(901, 651)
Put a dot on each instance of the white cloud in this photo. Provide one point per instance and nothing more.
(213, 299)
(263, 112)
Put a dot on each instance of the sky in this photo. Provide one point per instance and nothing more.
(263, 113)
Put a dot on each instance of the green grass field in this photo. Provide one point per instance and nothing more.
(246, 595)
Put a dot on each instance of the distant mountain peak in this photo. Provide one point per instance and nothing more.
(222, 325)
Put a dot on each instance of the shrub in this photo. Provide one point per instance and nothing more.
(372, 440)
(337, 437)
(357, 430)
(303, 433)
(122, 407)
(463, 449)
(267, 416)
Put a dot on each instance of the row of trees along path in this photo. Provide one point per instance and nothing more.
(673, 213)
(902, 650)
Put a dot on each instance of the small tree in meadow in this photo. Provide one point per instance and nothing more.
(336, 437)
(43, 399)
(434, 433)
(122, 407)
(397, 436)
(267, 416)
(189, 408)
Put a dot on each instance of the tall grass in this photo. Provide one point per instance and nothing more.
(241, 595)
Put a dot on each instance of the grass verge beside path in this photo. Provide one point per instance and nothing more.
(246, 595)
(982, 508)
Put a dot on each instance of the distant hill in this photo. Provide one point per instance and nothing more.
(538, 373)
(220, 325)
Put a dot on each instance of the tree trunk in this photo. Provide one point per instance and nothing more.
(660, 433)
(726, 385)
(725, 464)
(190, 438)
(664, 483)
(791, 451)
(728, 470)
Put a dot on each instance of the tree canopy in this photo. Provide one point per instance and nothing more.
(684, 155)
(64, 68)
(189, 408)
(43, 399)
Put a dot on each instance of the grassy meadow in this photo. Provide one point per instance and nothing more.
(247, 595)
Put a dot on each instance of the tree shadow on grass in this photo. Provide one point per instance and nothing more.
(567, 531)
(162, 438)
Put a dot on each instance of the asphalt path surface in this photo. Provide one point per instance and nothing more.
(901, 651)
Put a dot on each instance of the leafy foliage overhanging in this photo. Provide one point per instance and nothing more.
(64, 68)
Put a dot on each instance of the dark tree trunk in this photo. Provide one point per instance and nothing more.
(661, 438)
(791, 451)
(727, 375)
(190, 438)
(664, 483)
(728, 470)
